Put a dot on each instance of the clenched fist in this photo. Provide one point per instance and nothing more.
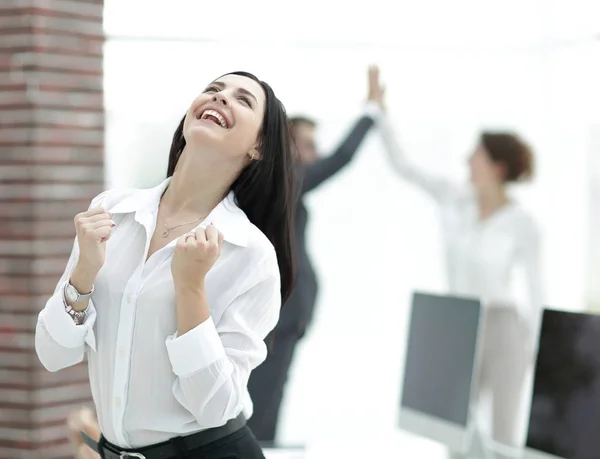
(196, 252)
(93, 230)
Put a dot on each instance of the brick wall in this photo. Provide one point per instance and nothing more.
(51, 165)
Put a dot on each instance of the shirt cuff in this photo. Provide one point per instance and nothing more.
(62, 328)
(373, 110)
(196, 349)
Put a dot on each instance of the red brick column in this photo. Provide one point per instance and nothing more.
(51, 165)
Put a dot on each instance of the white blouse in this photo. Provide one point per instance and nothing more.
(496, 259)
(148, 384)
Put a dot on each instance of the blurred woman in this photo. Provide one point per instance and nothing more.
(490, 243)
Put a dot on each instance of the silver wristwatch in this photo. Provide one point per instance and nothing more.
(72, 294)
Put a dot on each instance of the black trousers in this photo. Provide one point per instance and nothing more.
(238, 445)
(267, 385)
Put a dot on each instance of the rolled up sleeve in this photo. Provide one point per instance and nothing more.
(62, 328)
(59, 341)
(195, 350)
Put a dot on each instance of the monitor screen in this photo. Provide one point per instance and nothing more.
(440, 356)
(565, 408)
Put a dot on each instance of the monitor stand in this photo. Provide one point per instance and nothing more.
(481, 446)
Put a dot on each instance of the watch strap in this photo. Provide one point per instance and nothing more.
(80, 296)
(77, 316)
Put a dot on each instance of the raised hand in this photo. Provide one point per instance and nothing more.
(376, 90)
(93, 229)
(196, 252)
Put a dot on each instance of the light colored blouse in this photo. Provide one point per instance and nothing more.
(149, 384)
(496, 259)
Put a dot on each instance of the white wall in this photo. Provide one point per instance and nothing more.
(450, 69)
(574, 97)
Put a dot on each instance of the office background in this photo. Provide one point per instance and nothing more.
(450, 69)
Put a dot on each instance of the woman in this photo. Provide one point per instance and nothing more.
(171, 291)
(490, 242)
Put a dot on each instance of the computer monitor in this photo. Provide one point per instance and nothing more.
(564, 421)
(440, 368)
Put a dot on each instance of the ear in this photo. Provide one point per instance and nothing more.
(501, 171)
(255, 154)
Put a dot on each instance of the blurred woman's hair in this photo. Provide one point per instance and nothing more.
(512, 152)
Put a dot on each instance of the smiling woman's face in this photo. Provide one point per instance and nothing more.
(226, 118)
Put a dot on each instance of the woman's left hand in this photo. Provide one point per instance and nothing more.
(196, 252)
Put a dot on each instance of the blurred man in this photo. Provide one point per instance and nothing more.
(267, 382)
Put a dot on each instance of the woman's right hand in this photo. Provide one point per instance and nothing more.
(93, 230)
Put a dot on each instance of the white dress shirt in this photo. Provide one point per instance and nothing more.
(496, 259)
(149, 384)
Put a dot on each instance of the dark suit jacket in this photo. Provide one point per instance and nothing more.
(298, 310)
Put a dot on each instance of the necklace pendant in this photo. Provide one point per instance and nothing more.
(165, 232)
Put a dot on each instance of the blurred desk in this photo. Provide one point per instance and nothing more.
(363, 445)
(284, 453)
(397, 445)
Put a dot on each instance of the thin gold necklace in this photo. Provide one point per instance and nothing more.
(167, 228)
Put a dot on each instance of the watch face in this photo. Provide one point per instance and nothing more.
(71, 293)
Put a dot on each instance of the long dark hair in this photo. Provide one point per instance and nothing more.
(265, 189)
